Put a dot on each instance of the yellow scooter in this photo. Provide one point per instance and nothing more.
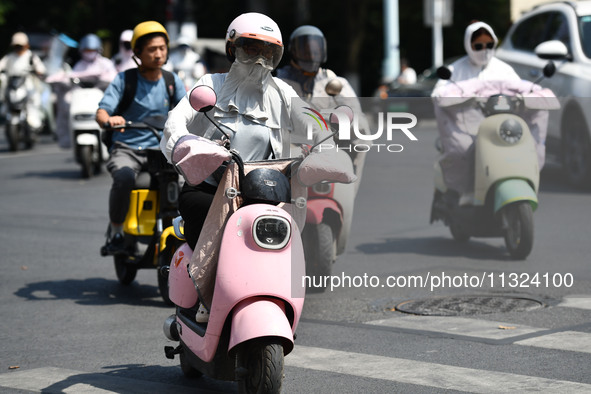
(149, 237)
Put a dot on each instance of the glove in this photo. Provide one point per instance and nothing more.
(196, 158)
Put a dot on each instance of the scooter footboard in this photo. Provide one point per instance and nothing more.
(260, 317)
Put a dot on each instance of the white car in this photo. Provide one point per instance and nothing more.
(568, 141)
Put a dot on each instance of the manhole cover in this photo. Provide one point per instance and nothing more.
(468, 305)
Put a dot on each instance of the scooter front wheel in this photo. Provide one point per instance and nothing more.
(86, 161)
(125, 272)
(519, 233)
(12, 135)
(319, 250)
(164, 259)
(187, 369)
(263, 361)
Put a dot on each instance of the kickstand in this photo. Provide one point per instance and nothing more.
(169, 351)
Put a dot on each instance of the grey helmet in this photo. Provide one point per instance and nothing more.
(307, 48)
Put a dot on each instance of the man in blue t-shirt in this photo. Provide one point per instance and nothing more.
(152, 98)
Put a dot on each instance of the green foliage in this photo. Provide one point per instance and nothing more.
(5, 7)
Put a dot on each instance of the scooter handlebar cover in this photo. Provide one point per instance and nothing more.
(196, 157)
(332, 166)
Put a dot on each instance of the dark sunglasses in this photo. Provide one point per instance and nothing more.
(126, 45)
(479, 46)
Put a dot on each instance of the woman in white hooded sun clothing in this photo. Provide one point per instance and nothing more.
(479, 63)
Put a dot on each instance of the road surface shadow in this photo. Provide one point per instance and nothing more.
(92, 291)
(140, 378)
(437, 246)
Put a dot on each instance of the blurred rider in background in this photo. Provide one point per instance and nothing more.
(123, 59)
(186, 62)
(92, 67)
(305, 74)
(21, 61)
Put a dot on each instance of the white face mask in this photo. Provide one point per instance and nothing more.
(89, 56)
(482, 57)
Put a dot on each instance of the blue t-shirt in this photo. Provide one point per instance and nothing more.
(151, 99)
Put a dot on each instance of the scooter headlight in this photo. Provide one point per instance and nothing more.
(510, 131)
(322, 188)
(271, 232)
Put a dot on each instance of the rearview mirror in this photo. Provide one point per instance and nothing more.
(202, 98)
(552, 50)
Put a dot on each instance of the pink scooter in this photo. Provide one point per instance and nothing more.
(258, 295)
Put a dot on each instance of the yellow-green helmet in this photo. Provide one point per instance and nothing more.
(145, 28)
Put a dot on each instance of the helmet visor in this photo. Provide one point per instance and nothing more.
(250, 51)
(309, 52)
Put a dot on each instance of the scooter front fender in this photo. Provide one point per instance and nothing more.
(512, 190)
(316, 208)
(87, 139)
(247, 323)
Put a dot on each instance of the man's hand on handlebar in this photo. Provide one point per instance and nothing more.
(109, 122)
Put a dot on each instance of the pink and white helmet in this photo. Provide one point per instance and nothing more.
(254, 38)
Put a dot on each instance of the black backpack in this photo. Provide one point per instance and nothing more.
(129, 94)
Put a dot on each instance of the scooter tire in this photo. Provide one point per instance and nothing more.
(576, 148)
(12, 134)
(458, 234)
(263, 361)
(319, 250)
(519, 234)
(164, 259)
(125, 272)
(187, 369)
(86, 161)
(29, 139)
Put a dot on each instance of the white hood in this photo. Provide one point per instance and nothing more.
(479, 58)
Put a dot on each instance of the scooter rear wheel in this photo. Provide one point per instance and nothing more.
(86, 161)
(263, 361)
(12, 134)
(125, 272)
(519, 234)
(320, 251)
(458, 233)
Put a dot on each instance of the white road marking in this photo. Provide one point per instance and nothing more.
(573, 341)
(425, 374)
(579, 302)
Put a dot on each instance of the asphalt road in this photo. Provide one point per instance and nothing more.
(68, 326)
